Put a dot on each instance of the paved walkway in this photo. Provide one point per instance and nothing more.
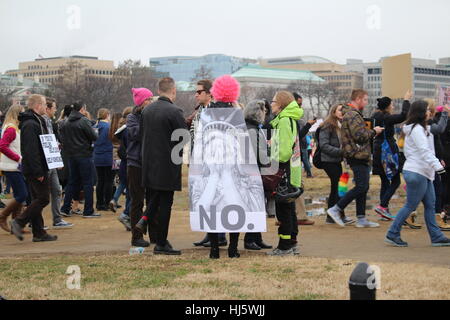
(108, 235)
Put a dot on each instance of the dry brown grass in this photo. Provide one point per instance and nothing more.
(192, 276)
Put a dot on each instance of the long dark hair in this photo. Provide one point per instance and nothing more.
(418, 114)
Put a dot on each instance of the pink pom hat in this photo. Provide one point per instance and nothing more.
(226, 89)
(140, 95)
(440, 108)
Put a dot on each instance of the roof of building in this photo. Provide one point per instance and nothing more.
(298, 60)
(253, 71)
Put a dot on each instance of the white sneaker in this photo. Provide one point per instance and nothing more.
(335, 214)
(364, 223)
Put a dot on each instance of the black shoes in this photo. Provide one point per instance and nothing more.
(167, 250)
(233, 253)
(251, 246)
(45, 238)
(222, 243)
(263, 245)
(214, 253)
(202, 242)
(140, 243)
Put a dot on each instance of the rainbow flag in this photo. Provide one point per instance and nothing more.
(343, 184)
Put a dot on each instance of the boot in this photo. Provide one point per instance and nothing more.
(214, 253)
(202, 242)
(442, 223)
(232, 248)
(411, 222)
(12, 207)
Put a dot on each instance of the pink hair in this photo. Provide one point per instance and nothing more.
(226, 89)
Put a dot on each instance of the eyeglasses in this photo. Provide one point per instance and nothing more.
(199, 92)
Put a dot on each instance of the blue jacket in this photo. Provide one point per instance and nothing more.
(103, 148)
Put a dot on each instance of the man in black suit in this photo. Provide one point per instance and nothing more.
(161, 175)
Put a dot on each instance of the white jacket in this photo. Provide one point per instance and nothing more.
(419, 152)
(7, 164)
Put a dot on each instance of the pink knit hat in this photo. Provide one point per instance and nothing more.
(226, 89)
(140, 95)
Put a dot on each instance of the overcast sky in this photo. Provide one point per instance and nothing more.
(140, 29)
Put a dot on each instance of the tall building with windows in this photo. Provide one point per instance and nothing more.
(335, 74)
(49, 70)
(427, 77)
(185, 68)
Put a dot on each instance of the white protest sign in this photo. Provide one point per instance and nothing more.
(51, 151)
(225, 186)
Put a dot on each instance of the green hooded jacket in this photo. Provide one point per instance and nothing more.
(285, 142)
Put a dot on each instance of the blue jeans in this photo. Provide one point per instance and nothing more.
(361, 174)
(80, 173)
(119, 191)
(17, 181)
(306, 163)
(418, 189)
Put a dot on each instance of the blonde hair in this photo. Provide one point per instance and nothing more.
(431, 106)
(102, 114)
(12, 116)
(284, 98)
(34, 100)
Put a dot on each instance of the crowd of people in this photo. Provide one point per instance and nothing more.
(130, 154)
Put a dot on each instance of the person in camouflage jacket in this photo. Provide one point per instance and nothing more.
(356, 141)
(356, 137)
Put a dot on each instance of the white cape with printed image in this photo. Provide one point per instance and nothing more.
(225, 187)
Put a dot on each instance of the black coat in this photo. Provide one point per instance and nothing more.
(158, 122)
(388, 122)
(31, 127)
(77, 136)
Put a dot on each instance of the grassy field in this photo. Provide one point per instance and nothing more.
(118, 275)
(193, 276)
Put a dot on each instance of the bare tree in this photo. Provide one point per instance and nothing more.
(113, 92)
(202, 73)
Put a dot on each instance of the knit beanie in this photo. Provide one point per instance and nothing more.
(226, 89)
(140, 95)
(384, 102)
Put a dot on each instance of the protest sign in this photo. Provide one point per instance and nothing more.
(51, 151)
(225, 186)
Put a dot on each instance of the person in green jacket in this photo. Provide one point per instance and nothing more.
(285, 147)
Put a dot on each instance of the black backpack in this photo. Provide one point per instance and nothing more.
(317, 158)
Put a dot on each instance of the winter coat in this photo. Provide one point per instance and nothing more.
(10, 148)
(356, 138)
(330, 146)
(77, 136)
(438, 125)
(31, 127)
(134, 138)
(388, 122)
(122, 135)
(258, 139)
(419, 151)
(445, 140)
(285, 143)
(103, 147)
(158, 122)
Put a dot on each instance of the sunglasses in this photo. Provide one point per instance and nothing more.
(200, 91)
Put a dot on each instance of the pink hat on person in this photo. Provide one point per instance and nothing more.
(226, 89)
(140, 95)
